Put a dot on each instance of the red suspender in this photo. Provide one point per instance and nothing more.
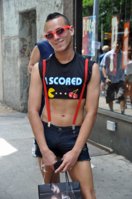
(81, 95)
(46, 93)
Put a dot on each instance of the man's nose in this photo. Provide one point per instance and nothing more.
(56, 36)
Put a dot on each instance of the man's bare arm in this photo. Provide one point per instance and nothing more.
(92, 99)
(34, 102)
(107, 80)
(93, 91)
(34, 58)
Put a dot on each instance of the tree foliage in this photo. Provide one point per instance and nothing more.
(87, 3)
(87, 7)
(107, 9)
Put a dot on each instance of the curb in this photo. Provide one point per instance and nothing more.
(105, 148)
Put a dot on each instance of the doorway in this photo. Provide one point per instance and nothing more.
(27, 40)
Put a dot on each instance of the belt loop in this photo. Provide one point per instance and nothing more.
(49, 123)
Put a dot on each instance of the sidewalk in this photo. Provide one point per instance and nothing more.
(20, 175)
(128, 110)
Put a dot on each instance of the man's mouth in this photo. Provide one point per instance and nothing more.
(59, 42)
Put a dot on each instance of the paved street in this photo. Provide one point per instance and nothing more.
(19, 172)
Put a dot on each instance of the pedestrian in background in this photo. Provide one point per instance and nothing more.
(114, 77)
(62, 131)
(42, 50)
(105, 49)
(128, 76)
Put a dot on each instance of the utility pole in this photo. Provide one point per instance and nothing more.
(96, 14)
(77, 18)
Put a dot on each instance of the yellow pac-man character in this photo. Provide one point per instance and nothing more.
(50, 92)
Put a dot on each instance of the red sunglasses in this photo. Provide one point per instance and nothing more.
(58, 31)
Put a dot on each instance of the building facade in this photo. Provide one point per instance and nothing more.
(21, 25)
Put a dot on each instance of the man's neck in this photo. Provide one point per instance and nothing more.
(65, 56)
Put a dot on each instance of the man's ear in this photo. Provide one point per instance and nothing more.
(72, 30)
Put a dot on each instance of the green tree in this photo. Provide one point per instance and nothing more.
(107, 9)
(87, 7)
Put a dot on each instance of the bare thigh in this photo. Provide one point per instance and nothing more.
(48, 174)
(40, 164)
(82, 172)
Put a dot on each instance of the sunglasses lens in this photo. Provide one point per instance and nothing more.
(49, 36)
(60, 31)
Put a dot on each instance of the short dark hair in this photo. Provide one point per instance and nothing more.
(56, 15)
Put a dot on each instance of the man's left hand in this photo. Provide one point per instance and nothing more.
(69, 160)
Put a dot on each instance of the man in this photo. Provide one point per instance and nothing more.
(63, 78)
(114, 77)
(105, 49)
(42, 50)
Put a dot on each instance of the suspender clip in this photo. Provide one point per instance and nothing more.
(49, 123)
(73, 127)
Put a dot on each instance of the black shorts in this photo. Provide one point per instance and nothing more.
(60, 140)
(115, 91)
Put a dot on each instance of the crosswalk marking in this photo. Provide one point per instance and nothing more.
(6, 148)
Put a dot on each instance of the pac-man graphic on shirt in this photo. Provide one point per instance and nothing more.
(51, 92)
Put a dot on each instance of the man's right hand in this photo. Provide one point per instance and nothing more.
(107, 81)
(49, 158)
